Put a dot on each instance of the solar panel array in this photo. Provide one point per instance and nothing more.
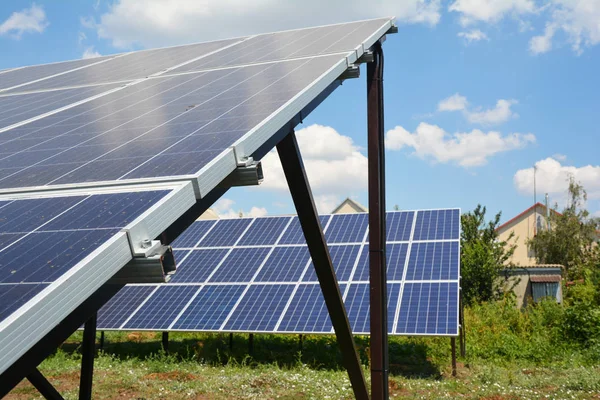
(255, 275)
(175, 120)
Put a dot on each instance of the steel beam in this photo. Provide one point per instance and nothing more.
(165, 342)
(88, 352)
(377, 227)
(293, 167)
(453, 348)
(43, 386)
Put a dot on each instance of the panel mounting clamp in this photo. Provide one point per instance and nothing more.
(153, 262)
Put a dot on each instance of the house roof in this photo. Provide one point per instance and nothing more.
(352, 203)
(540, 266)
(527, 211)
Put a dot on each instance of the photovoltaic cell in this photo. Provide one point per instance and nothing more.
(131, 66)
(260, 308)
(307, 311)
(395, 256)
(14, 296)
(198, 265)
(358, 306)
(27, 74)
(193, 234)
(343, 259)
(264, 231)
(240, 265)
(225, 233)
(294, 235)
(433, 261)
(437, 225)
(21, 107)
(347, 228)
(210, 308)
(429, 308)
(399, 225)
(114, 313)
(285, 264)
(162, 308)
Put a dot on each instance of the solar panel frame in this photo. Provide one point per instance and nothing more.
(30, 322)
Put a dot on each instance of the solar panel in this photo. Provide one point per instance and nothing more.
(58, 248)
(259, 282)
(126, 302)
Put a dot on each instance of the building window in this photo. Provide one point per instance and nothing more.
(545, 289)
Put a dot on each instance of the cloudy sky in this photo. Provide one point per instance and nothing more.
(477, 91)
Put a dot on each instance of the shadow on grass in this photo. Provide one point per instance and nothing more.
(407, 358)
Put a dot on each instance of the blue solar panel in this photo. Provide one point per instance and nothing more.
(160, 127)
(395, 256)
(437, 225)
(307, 311)
(264, 231)
(135, 65)
(210, 308)
(433, 261)
(114, 313)
(226, 233)
(347, 228)
(17, 108)
(260, 308)
(193, 234)
(343, 259)
(429, 308)
(358, 306)
(285, 264)
(28, 74)
(294, 235)
(399, 225)
(14, 296)
(162, 308)
(240, 265)
(198, 265)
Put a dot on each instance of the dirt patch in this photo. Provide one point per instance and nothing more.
(139, 337)
(396, 389)
(171, 376)
(499, 397)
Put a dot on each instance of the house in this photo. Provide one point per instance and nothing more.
(529, 280)
(524, 226)
(349, 206)
(209, 214)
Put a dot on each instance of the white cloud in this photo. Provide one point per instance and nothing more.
(542, 43)
(559, 157)
(497, 115)
(552, 177)
(456, 102)
(468, 149)
(89, 52)
(493, 116)
(334, 165)
(474, 35)
(490, 10)
(156, 22)
(578, 19)
(224, 209)
(28, 20)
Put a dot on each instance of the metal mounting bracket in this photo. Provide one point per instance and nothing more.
(248, 173)
(353, 71)
(155, 265)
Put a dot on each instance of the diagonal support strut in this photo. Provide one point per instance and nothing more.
(293, 167)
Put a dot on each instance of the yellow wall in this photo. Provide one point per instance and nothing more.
(524, 229)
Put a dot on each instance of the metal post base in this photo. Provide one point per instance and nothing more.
(43, 386)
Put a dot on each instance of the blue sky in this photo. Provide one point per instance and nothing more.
(477, 92)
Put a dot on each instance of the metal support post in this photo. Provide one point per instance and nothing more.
(101, 340)
(43, 386)
(88, 350)
(461, 321)
(250, 344)
(453, 345)
(295, 175)
(165, 342)
(231, 342)
(377, 228)
(301, 342)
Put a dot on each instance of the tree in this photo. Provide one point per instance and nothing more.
(483, 256)
(570, 239)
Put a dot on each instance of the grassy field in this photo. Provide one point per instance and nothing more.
(510, 355)
(202, 366)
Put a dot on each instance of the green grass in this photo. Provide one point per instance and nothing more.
(510, 355)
